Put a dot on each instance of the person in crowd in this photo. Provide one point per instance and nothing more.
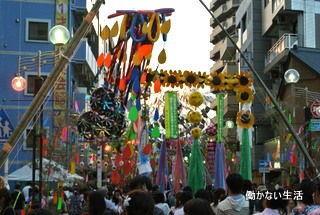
(17, 199)
(235, 203)
(159, 201)
(218, 195)
(5, 202)
(97, 205)
(41, 211)
(290, 205)
(203, 194)
(143, 183)
(4, 183)
(27, 191)
(260, 204)
(139, 202)
(316, 200)
(75, 204)
(117, 197)
(247, 186)
(274, 205)
(306, 204)
(185, 196)
(197, 206)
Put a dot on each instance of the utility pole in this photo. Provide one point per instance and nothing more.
(49, 82)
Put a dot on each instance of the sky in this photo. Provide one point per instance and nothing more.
(188, 45)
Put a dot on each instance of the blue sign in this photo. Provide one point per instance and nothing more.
(264, 166)
(314, 125)
(6, 127)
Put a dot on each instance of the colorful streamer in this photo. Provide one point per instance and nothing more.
(219, 167)
(180, 176)
(162, 173)
(196, 178)
(245, 157)
(220, 113)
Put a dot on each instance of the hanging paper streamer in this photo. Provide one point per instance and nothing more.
(72, 167)
(219, 167)
(179, 169)
(245, 157)
(59, 206)
(220, 113)
(196, 177)
(162, 173)
(210, 158)
(171, 115)
(144, 165)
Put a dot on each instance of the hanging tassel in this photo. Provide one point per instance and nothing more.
(161, 178)
(196, 178)
(179, 170)
(219, 167)
(245, 157)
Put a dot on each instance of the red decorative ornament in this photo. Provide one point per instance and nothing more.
(115, 177)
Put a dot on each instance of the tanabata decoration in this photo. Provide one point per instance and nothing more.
(195, 99)
(171, 115)
(211, 132)
(194, 117)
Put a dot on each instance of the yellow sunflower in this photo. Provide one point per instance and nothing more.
(231, 81)
(202, 79)
(172, 78)
(244, 95)
(245, 79)
(190, 79)
(245, 119)
(216, 81)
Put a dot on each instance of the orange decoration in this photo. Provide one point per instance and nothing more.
(147, 149)
(55, 198)
(107, 61)
(122, 84)
(144, 50)
(115, 177)
(143, 78)
(100, 60)
(157, 86)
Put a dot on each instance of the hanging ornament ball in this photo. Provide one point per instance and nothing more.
(196, 132)
(194, 117)
(211, 130)
(195, 99)
(103, 101)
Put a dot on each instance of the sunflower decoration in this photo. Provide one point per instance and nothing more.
(190, 79)
(245, 119)
(244, 95)
(217, 81)
(245, 79)
(231, 81)
(171, 78)
(202, 79)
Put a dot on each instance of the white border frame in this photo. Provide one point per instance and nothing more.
(37, 20)
(26, 74)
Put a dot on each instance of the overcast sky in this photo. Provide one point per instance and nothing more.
(188, 46)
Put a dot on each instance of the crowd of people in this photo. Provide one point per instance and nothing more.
(141, 197)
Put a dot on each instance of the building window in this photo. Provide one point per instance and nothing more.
(31, 82)
(37, 30)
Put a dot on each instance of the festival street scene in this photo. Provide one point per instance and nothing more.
(159, 107)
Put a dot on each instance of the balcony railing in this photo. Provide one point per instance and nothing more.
(287, 41)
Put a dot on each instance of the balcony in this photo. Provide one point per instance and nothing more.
(217, 33)
(214, 4)
(231, 68)
(285, 43)
(217, 66)
(226, 10)
(84, 54)
(215, 52)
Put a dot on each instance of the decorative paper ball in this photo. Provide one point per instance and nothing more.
(195, 99)
(194, 117)
(211, 130)
(196, 132)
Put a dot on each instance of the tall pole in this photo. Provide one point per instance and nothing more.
(49, 82)
(273, 100)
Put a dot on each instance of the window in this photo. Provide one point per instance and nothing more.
(32, 83)
(37, 30)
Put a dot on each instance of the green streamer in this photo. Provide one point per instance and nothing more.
(220, 113)
(171, 115)
(245, 157)
(59, 205)
(196, 177)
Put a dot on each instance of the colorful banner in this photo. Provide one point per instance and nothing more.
(220, 114)
(171, 115)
